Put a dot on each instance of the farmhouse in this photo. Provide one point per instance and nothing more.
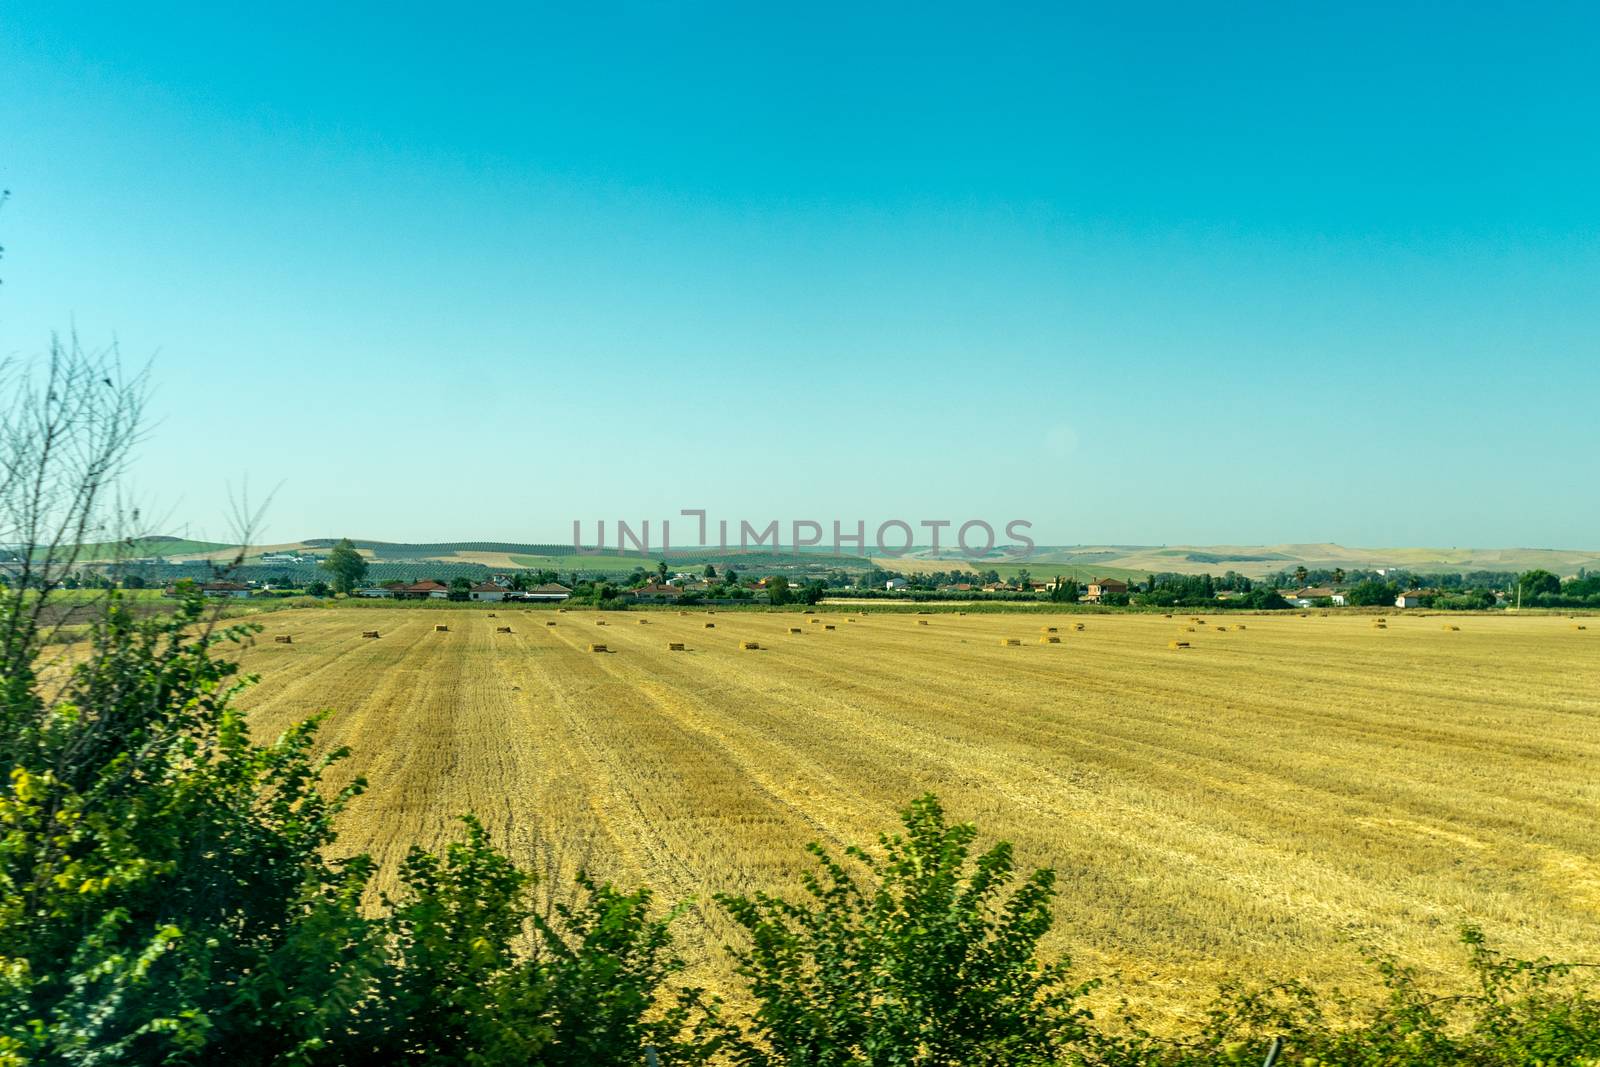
(1308, 596)
(424, 590)
(1101, 586)
(228, 589)
(487, 591)
(894, 583)
(1411, 598)
(656, 589)
(550, 591)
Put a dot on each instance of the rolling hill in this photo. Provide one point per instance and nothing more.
(1080, 561)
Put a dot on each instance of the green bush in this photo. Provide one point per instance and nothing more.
(927, 961)
(165, 897)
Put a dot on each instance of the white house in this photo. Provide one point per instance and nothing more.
(487, 591)
(895, 583)
(1411, 598)
(1308, 597)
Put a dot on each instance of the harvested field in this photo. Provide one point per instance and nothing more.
(1257, 805)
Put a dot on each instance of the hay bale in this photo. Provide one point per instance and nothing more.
(922, 622)
(561, 611)
(1049, 639)
(1077, 626)
(1177, 644)
(750, 646)
(674, 646)
(502, 629)
(1579, 626)
(599, 622)
(1240, 626)
(441, 628)
(1451, 626)
(550, 622)
(644, 622)
(830, 626)
(598, 648)
(711, 626)
(1221, 629)
(1047, 629)
(796, 630)
(285, 639)
(369, 633)
(1009, 641)
(1380, 626)
(815, 621)
(1166, 616)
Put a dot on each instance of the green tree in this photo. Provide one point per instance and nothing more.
(1539, 583)
(1338, 576)
(661, 570)
(710, 572)
(778, 590)
(1301, 574)
(928, 960)
(347, 566)
(148, 894)
(1371, 593)
(1066, 590)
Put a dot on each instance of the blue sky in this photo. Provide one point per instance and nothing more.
(1175, 275)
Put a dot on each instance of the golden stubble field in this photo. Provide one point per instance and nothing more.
(1257, 804)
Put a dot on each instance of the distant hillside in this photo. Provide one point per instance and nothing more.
(1079, 561)
(149, 548)
(1255, 561)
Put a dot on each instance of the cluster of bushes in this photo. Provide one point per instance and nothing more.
(1541, 589)
(166, 897)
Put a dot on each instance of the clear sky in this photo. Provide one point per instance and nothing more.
(1183, 274)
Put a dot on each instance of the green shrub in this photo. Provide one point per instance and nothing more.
(165, 897)
(928, 960)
